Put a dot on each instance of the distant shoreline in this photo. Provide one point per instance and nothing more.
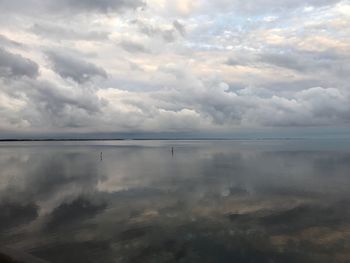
(156, 139)
(57, 140)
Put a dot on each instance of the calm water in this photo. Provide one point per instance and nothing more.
(211, 201)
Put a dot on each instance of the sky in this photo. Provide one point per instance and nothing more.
(214, 68)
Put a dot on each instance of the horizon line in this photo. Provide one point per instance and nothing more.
(166, 139)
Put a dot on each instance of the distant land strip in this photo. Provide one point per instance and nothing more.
(149, 139)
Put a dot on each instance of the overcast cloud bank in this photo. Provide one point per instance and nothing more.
(173, 66)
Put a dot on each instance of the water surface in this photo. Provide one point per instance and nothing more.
(210, 201)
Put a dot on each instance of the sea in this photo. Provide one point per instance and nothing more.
(244, 201)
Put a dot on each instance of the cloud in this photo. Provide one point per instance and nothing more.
(168, 33)
(179, 27)
(266, 6)
(54, 99)
(312, 107)
(103, 6)
(74, 68)
(69, 6)
(133, 47)
(306, 61)
(282, 60)
(188, 104)
(241, 60)
(4, 41)
(213, 99)
(63, 33)
(190, 8)
(173, 66)
(34, 103)
(14, 65)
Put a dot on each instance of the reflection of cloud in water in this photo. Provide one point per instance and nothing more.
(210, 202)
(89, 252)
(77, 210)
(48, 177)
(14, 214)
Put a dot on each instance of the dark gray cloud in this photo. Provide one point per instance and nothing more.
(100, 6)
(14, 65)
(53, 105)
(4, 41)
(133, 47)
(283, 60)
(168, 35)
(329, 62)
(288, 87)
(179, 27)
(49, 105)
(74, 68)
(238, 61)
(38, 7)
(309, 106)
(64, 33)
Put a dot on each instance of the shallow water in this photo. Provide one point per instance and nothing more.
(210, 201)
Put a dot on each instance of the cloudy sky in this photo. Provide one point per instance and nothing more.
(174, 66)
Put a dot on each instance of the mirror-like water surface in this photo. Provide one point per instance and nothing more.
(210, 201)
